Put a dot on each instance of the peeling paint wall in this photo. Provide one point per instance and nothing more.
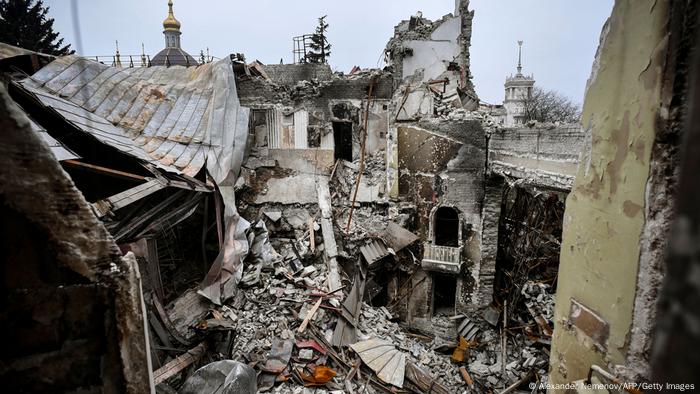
(606, 210)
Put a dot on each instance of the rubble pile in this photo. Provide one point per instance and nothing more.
(376, 323)
(283, 326)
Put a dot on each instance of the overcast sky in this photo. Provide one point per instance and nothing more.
(561, 36)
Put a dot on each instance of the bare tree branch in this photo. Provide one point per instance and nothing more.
(549, 106)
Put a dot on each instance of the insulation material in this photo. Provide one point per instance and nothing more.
(243, 241)
(227, 270)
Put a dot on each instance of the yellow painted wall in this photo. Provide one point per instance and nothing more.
(605, 210)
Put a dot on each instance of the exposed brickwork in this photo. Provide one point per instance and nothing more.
(290, 74)
(489, 239)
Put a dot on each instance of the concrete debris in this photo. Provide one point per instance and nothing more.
(225, 377)
(275, 216)
(356, 233)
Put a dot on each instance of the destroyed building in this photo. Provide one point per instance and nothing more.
(286, 227)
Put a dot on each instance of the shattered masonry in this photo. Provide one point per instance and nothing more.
(285, 228)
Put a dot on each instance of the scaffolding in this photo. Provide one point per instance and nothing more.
(301, 47)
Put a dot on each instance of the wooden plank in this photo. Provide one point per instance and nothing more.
(423, 380)
(179, 363)
(467, 378)
(103, 170)
(153, 264)
(134, 194)
(127, 197)
(310, 315)
(159, 329)
(165, 319)
(312, 237)
(145, 218)
(189, 186)
(179, 214)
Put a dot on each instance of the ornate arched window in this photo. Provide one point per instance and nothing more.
(446, 226)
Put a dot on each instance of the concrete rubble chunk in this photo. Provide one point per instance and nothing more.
(225, 377)
(275, 216)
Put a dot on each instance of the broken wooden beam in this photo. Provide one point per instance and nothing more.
(362, 156)
(129, 196)
(147, 217)
(467, 378)
(179, 363)
(422, 379)
(329, 245)
(103, 170)
(517, 384)
(310, 315)
(312, 236)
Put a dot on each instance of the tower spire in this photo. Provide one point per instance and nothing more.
(117, 56)
(520, 51)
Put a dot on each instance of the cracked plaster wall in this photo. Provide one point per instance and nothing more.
(607, 209)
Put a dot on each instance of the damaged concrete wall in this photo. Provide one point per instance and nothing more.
(290, 74)
(430, 63)
(610, 209)
(485, 271)
(443, 164)
(543, 156)
(311, 106)
(73, 315)
(280, 169)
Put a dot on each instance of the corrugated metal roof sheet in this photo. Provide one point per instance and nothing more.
(374, 251)
(176, 118)
(7, 51)
(384, 359)
(57, 148)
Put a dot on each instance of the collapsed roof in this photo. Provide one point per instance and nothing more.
(179, 119)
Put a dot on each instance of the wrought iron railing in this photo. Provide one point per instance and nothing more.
(131, 61)
(125, 61)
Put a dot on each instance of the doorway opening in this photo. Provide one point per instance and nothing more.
(446, 228)
(342, 137)
(444, 293)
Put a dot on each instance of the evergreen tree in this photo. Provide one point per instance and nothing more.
(320, 48)
(25, 24)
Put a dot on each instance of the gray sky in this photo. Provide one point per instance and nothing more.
(561, 36)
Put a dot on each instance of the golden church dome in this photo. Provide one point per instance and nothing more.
(170, 23)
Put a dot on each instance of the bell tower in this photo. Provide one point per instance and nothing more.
(518, 91)
(171, 28)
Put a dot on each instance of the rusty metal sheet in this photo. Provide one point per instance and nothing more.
(176, 118)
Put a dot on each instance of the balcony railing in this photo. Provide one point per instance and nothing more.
(442, 258)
